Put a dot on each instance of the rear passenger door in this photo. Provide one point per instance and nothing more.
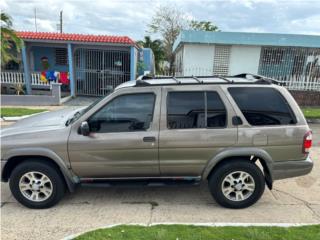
(195, 124)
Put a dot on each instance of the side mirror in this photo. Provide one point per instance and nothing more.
(84, 128)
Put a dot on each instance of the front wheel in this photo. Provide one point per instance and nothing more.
(36, 184)
(237, 184)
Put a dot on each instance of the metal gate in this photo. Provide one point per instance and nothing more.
(98, 72)
(289, 61)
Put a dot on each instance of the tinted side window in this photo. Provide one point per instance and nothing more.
(216, 111)
(125, 113)
(263, 106)
(186, 110)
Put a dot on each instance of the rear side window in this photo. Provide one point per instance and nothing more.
(262, 106)
(195, 110)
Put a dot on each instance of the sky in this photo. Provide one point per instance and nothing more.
(131, 17)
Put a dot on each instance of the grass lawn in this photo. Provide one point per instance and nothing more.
(311, 112)
(184, 232)
(17, 112)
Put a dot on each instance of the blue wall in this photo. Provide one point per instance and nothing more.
(147, 61)
(49, 52)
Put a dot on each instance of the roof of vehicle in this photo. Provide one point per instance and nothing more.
(244, 78)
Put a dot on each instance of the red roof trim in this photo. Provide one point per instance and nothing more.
(72, 37)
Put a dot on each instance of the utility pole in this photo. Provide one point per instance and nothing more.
(35, 19)
(61, 21)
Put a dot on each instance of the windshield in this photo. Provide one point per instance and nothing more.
(78, 114)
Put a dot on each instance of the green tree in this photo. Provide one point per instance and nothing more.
(10, 42)
(168, 21)
(157, 48)
(203, 26)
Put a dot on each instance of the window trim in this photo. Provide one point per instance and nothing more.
(126, 94)
(294, 117)
(205, 111)
(224, 105)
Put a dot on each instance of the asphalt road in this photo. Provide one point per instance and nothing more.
(295, 200)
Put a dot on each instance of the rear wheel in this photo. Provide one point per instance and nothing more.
(237, 184)
(37, 185)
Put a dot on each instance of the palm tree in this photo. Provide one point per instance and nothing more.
(10, 42)
(157, 48)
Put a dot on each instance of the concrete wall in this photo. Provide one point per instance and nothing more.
(34, 100)
(306, 98)
(198, 59)
(244, 59)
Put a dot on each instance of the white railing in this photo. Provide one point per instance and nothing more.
(291, 82)
(18, 77)
(36, 80)
(12, 77)
(304, 83)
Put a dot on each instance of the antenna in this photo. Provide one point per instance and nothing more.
(61, 21)
(35, 19)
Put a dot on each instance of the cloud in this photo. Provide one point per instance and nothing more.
(131, 17)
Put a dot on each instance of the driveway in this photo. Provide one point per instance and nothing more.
(294, 200)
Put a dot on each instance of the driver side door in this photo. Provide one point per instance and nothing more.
(123, 139)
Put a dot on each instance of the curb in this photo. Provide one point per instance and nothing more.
(313, 120)
(14, 119)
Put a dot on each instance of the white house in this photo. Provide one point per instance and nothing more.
(229, 53)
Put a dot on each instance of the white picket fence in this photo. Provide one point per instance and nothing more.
(291, 82)
(307, 83)
(18, 78)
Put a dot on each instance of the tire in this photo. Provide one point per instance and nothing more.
(37, 184)
(226, 178)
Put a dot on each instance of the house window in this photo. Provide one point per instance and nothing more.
(272, 56)
(221, 60)
(61, 56)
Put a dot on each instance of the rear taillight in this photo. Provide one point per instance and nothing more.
(307, 142)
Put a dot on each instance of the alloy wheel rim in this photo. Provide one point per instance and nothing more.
(35, 186)
(238, 186)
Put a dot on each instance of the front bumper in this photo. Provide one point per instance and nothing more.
(288, 169)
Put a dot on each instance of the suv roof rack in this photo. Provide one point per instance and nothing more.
(260, 78)
(243, 78)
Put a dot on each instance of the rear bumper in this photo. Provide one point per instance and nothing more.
(288, 169)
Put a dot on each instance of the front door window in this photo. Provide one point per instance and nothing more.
(126, 113)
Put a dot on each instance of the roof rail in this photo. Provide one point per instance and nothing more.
(197, 79)
(260, 79)
(254, 79)
(177, 81)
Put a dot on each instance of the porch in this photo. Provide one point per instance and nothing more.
(82, 64)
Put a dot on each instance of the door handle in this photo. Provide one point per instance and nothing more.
(149, 139)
